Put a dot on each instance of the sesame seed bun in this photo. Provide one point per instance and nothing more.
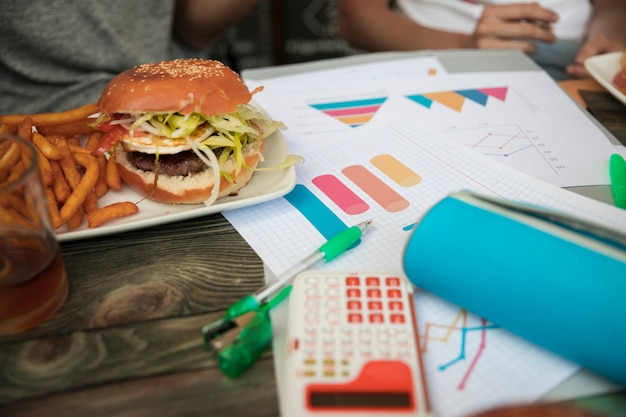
(182, 85)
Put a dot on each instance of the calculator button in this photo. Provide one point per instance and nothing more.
(354, 305)
(397, 318)
(376, 318)
(333, 305)
(392, 282)
(372, 281)
(312, 280)
(312, 292)
(394, 293)
(396, 306)
(312, 318)
(332, 293)
(353, 293)
(373, 293)
(333, 318)
(353, 281)
(355, 318)
(332, 281)
(375, 305)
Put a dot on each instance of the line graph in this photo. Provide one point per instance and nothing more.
(459, 324)
(518, 146)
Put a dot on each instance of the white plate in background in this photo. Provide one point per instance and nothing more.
(263, 186)
(603, 69)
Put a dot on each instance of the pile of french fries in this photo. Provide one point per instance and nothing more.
(73, 176)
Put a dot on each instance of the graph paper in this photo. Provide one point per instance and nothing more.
(462, 375)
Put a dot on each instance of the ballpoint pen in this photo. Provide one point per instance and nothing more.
(244, 331)
(617, 169)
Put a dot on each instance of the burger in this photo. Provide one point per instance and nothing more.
(619, 80)
(182, 131)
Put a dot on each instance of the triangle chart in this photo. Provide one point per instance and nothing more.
(353, 112)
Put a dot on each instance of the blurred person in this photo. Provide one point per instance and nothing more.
(558, 34)
(57, 55)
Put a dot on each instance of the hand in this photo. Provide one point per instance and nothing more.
(513, 26)
(595, 45)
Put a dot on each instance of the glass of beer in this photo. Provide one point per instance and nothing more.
(33, 282)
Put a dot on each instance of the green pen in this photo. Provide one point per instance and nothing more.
(617, 168)
(328, 251)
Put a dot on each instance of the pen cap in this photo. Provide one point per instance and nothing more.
(560, 289)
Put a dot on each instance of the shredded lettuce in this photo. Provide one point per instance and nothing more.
(231, 132)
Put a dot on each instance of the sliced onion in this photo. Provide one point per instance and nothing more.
(208, 157)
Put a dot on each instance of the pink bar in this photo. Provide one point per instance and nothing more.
(375, 188)
(341, 195)
(353, 110)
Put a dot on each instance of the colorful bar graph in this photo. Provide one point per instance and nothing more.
(456, 99)
(380, 192)
(396, 170)
(340, 194)
(352, 112)
(316, 212)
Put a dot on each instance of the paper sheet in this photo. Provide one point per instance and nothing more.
(387, 140)
(520, 118)
(469, 369)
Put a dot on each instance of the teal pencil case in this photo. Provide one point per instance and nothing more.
(553, 279)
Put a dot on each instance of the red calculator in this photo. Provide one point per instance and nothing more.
(352, 346)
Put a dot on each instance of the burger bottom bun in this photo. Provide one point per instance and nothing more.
(191, 189)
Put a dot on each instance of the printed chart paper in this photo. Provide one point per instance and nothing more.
(519, 118)
(470, 363)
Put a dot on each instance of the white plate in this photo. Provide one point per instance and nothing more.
(603, 68)
(263, 186)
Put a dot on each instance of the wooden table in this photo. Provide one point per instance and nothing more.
(127, 342)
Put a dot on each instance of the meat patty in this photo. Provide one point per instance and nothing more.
(182, 163)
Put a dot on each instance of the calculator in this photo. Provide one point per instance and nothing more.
(353, 346)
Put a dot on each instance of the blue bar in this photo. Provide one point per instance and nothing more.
(316, 212)
(347, 104)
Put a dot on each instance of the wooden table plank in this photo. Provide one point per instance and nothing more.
(202, 393)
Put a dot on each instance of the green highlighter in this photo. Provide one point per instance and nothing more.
(617, 169)
(245, 331)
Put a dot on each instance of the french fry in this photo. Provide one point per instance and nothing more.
(110, 212)
(10, 216)
(91, 201)
(93, 140)
(74, 178)
(50, 119)
(101, 185)
(46, 147)
(45, 169)
(25, 129)
(73, 142)
(5, 128)
(18, 169)
(60, 186)
(80, 127)
(53, 209)
(113, 179)
(10, 154)
(67, 161)
(76, 220)
(87, 182)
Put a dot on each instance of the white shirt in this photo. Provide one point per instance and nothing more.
(461, 16)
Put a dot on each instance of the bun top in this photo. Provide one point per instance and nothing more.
(182, 85)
